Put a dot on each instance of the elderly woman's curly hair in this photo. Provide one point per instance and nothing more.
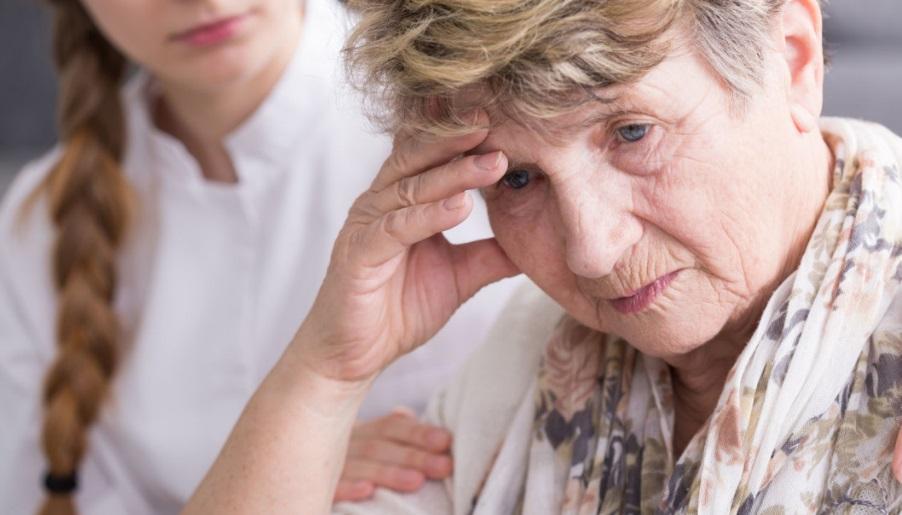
(535, 59)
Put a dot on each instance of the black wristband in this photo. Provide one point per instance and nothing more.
(61, 484)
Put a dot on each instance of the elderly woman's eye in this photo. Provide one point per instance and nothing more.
(516, 179)
(633, 132)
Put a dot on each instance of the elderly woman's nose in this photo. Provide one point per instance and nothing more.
(597, 233)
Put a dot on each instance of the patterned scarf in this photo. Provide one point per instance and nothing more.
(807, 419)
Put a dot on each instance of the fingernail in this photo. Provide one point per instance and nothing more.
(488, 161)
(408, 476)
(455, 202)
(404, 411)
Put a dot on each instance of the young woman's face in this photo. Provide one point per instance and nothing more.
(202, 44)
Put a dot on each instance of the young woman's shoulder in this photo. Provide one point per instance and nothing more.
(23, 198)
(26, 239)
(22, 207)
(27, 315)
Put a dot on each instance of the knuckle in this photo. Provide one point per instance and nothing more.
(418, 435)
(397, 475)
(356, 236)
(364, 207)
(359, 429)
(396, 417)
(422, 436)
(393, 426)
(400, 139)
(362, 199)
(399, 160)
(414, 436)
(415, 215)
(386, 423)
(369, 448)
(414, 458)
(392, 223)
(407, 190)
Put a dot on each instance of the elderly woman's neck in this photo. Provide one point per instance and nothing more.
(813, 185)
(697, 380)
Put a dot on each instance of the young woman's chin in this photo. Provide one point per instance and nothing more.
(223, 66)
(237, 49)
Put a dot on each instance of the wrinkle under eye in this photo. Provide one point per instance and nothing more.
(516, 179)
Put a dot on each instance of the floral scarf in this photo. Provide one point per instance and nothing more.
(807, 419)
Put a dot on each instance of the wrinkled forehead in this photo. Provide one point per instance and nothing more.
(670, 91)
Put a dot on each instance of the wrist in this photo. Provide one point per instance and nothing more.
(300, 370)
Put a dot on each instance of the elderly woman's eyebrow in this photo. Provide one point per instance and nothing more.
(599, 116)
(603, 117)
(607, 107)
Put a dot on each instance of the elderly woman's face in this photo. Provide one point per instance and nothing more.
(662, 217)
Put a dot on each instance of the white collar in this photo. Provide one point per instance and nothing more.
(280, 126)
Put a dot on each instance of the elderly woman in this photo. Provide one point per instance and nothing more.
(722, 330)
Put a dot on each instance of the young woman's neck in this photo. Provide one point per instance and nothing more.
(202, 120)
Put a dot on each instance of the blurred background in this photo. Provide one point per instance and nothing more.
(864, 81)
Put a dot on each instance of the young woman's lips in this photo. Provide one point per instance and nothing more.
(644, 297)
(212, 33)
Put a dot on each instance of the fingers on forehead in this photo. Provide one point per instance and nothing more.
(478, 121)
(419, 154)
(415, 153)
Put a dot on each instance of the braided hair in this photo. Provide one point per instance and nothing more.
(89, 203)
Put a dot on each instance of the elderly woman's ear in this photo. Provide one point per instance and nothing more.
(800, 40)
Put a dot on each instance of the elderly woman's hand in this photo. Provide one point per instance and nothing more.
(396, 452)
(394, 280)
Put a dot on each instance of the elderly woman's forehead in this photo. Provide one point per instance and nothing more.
(670, 90)
(516, 137)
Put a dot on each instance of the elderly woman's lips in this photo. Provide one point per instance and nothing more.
(644, 297)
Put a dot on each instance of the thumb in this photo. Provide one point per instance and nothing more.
(479, 263)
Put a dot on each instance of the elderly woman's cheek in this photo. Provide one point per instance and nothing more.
(517, 226)
(646, 157)
(516, 205)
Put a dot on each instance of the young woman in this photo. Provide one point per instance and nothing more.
(155, 265)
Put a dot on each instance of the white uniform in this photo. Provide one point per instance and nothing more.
(214, 280)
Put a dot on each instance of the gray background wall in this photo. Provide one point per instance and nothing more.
(27, 87)
(865, 80)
